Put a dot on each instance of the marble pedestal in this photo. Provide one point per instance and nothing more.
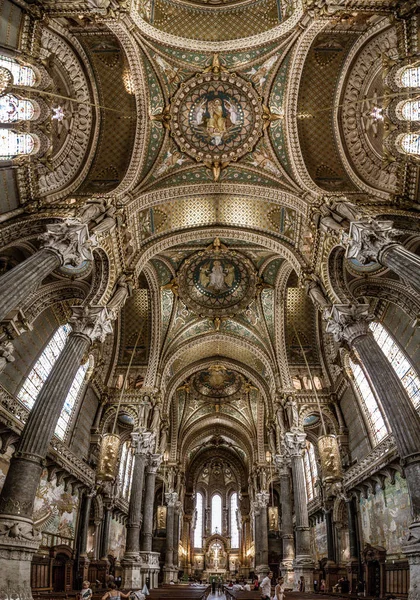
(149, 568)
(170, 573)
(304, 566)
(15, 564)
(131, 576)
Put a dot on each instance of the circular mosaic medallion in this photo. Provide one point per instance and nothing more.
(217, 382)
(217, 283)
(216, 117)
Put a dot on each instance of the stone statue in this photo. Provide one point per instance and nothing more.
(106, 222)
(6, 354)
(341, 206)
(272, 439)
(163, 438)
(92, 210)
(280, 416)
(315, 292)
(123, 290)
(154, 425)
(292, 412)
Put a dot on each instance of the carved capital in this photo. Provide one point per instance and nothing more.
(324, 8)
(262, 499)
(91, 321)
(70, 241)
(346, 322)
(171, 498)
(295, 443)
(6, 354)
(144, 442)
(154, 463)
(282, 463)
(19, 532)
(369, 239)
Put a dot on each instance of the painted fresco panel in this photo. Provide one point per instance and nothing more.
(319, 540)
(117, 539)
(385, 516)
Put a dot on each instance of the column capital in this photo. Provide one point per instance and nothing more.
(154, 463)
(171, 498)
(368, 239)
(143, 442)
(282, 462)
(295, 443)
(262, 499)
(346, 322)
(70, 241)
(93, 322)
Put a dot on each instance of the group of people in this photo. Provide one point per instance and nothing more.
(266, 585)
(113, 593)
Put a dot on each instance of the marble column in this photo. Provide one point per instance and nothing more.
(177, 513)
(353, 564)
(18, 538)
(350, 324)
(169, 569)
(330, 567)
(83, 535)
(105, 532)
(303, 563)
(373, 241)
(64, 244)
(286, 566)
(149, 500)
(262, 499)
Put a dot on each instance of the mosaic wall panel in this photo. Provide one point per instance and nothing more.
(316, 133)
(300, 317)
(319, 541)
(277, 128)
(10, 22)
(113, 152)
(137, 313)
(385, 516)
(9, 198)
(227, 23)
(117, 533)
(156, 103)
(221, 209)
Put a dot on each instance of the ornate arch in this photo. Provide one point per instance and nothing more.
(388, 289)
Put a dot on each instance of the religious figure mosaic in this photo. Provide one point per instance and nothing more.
(217, 382)
(217, 283)
(216, 117)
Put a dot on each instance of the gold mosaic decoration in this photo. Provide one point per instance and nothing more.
(217, 382)
(217, 282)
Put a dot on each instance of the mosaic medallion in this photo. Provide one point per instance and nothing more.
(217, 283)
(217, 382)
(216, 117)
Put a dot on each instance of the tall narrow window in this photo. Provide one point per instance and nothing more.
(399, 362)
(369, 403)
(125, 473)
(311, 471)
(410, 143)
(216, 514)
(198, 531)
(14, 144)
(14, 109)
(22, 75)
(411, 110)
(234, 531)
(39, 373)
(410, 77)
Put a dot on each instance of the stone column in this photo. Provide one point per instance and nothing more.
(64, 244)
(143, 444)
(286, 566)
(18, 538)
(353, 564)
(149, 500)
(350, 324)
(177, 513)
(262, 503)
(169, 569)
(330, 567)
(83, 535)
(105, 532)
(257, 537)
(303, 564)
(373, 241)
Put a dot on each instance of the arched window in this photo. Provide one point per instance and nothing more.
(410, 143)
(216, 514)
(234, 531)
(369, 403)
(39, 373)
(410, 77)
(198, 531)
(311, 471)
(22, 75)
(410, 110)
(14, 109)
(14, 144)
(399, 362)
(125, 473)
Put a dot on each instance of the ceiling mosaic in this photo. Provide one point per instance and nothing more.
(217, 382)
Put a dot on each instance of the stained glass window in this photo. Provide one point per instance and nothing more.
(369, 403)
(411, 110)
(14, 109)
(234, 531)
(311, 471)
(216, 514)
(410, 77)
(410, 143)
(70, 402)
(125, 474)
(42, 368)
(22, 75)
(399, 362)
(12, 144)
(198, 531)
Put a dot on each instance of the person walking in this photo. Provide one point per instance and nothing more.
(266, 586)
